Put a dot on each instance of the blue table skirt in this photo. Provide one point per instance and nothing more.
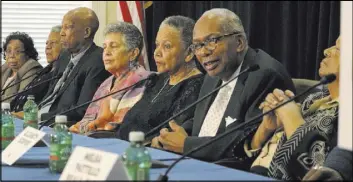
(189, 169)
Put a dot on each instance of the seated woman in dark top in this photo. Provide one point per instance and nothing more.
(293, 138)
(176, 86)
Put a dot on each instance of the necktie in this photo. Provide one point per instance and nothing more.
(64, 77)
(215, 113)
(59, 84)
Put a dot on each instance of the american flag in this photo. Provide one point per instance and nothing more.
(133, 12)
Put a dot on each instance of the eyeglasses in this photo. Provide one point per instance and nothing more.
(210, 43)
(16, 52)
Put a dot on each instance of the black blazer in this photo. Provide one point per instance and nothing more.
(39, 91)
(250, 90)
(81, 85)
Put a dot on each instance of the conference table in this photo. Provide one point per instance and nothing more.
(188, 169)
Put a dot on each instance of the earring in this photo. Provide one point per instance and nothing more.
(132, 64)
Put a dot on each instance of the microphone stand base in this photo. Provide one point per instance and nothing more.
(162, 178)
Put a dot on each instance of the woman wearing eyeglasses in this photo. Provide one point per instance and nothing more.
(21, 61)
(177, 85)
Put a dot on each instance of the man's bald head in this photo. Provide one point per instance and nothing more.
(78, 29)
(86, 16)
(227, 20)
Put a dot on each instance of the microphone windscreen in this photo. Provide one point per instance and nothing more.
(328, 79)
(254, 67)
(46, 70)
(151, 80)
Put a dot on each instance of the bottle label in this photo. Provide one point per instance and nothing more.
(7, 138)
(30, 119)
(7, 133)
(54, 152)
(60, 152)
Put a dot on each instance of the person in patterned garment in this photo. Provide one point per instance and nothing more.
(122, 47)
(293, 139)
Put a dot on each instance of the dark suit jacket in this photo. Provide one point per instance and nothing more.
(250, 90)
(80, 86)
(39, 91)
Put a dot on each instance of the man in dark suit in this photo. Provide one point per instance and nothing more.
(220, 45)
(52, 51)
(84, 71)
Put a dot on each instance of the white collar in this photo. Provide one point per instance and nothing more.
(235, 73)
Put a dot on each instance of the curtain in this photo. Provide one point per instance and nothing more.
(293, 32)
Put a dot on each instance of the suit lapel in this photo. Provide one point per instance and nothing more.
(236, 101)
(76, 69)
(210, 83)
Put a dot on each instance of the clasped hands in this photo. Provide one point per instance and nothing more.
(284, 115)
(174, 140)
(171, 140)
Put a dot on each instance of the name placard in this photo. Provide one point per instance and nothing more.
(21, 144)
(91, 164)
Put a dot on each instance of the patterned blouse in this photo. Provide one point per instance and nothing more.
(101, 114)
(311, 142)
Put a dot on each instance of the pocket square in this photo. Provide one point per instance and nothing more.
(230, 120)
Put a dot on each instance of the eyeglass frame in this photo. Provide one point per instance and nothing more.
(17, 52)
(209, 40)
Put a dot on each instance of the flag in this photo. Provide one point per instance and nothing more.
(133, 12)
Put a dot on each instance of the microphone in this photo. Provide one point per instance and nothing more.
(86, 103)
(50, 79)
(248, 69)
(45, 70)
(325, 80)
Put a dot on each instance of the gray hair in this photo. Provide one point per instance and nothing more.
(132, 35)
(56, 28)
(230, 22)
(184, 25)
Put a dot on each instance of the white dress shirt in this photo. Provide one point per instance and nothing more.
(215, 114)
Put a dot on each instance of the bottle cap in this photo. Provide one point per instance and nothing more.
(5, 105)
(136, 136)
(30, 97)
(61, 119)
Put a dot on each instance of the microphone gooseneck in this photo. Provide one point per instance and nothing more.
(50, 79)
(248, 69)
(325, 80)
(45, 70)
(86, 103)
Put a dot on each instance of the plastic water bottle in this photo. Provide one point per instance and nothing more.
(60, 145)
(136, 158)
(7, 126)
(30, 110)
